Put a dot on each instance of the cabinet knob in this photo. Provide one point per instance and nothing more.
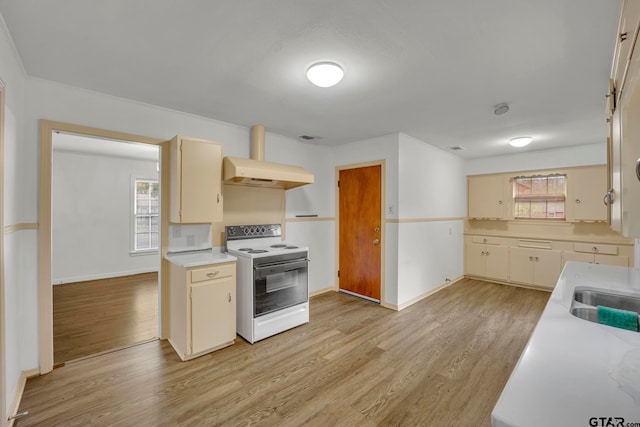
(487, 253)
(638, 169)
(530, 258)
(594, 249)
(484, 240)
(623, 36)
(214, 274)
(229, 296)
(578, 201)
(537, 259)
(499, 202)
(218, 198)
(482, 253)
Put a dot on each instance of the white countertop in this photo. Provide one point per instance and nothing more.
(572, 369)
(197, 259)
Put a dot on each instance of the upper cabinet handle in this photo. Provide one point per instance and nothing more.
(623, 36)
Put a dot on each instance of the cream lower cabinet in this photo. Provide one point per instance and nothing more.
(538, 267)
(203, 308)
(596, 254)
(487, 260)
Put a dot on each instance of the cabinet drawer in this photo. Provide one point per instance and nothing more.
(595, 249)
(487, 240)
(214, 272)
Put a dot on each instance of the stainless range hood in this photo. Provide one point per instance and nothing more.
(256, 172)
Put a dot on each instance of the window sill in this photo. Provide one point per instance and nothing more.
(144, 252)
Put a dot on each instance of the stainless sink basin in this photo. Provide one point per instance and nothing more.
(586, 313)
(596, 297)
(586, 300)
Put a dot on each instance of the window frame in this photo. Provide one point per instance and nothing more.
(134, 217)
(547, 197)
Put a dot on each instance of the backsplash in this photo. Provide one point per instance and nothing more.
(189, 237)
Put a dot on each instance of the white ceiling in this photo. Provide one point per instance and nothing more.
(431, 69)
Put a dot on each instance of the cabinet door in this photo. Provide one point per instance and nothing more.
(486, 196)
(612, 260)
(630, 153)
(521, 265)
(213, 313)
(200, 189)
(497, 262)
(548, 266)
(615, 203)
(587, 187)
(625, 40)
(474, 259)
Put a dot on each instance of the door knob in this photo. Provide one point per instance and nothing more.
(376, 241)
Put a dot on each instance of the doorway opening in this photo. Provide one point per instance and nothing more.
(105, 212)
(85, 263)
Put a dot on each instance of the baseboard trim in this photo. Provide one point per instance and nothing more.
(12, 410)
(428, 293)
(322, 291)
(103, 276)
(514, 284)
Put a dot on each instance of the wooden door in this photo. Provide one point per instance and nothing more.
(360, 236)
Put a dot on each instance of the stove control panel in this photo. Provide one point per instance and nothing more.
(237, 232)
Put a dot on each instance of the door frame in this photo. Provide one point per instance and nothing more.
(3, 322)
(45, 290)
(383, 180)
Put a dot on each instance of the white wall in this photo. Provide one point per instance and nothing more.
(92, 205)
(581, 155)
(432, 187)
(13, 77)
(52, 101)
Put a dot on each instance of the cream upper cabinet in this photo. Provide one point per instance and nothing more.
(486, 196)
(586, 188)
(202, 308)
(195, 180)
(625, 41)
(625, 199)
(539, 267)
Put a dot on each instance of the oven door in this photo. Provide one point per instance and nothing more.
(279, 284)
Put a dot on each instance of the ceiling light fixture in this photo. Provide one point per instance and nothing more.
(325, 74)
(500, 109)
(520, 141)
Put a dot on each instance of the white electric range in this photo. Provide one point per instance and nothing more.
(272, 280)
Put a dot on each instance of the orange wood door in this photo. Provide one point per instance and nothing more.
(360, 231)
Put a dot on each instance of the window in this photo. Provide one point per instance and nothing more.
(539, 197)
(145, 211)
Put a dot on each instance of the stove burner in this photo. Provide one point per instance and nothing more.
(257, 251)
(245, 249)
(291, 247)
(278, 246)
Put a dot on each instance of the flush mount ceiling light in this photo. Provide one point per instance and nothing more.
(325, 74)
(520, 141)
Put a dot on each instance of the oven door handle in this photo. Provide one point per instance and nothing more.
(282, 267)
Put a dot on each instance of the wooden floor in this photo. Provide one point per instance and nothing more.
(100, 315)
(441, 362)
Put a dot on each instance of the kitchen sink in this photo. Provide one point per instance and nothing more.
(596, 297)
(586, 313)
(586, 300)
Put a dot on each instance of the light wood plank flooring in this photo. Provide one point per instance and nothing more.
(100, 315)
(440, 362)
